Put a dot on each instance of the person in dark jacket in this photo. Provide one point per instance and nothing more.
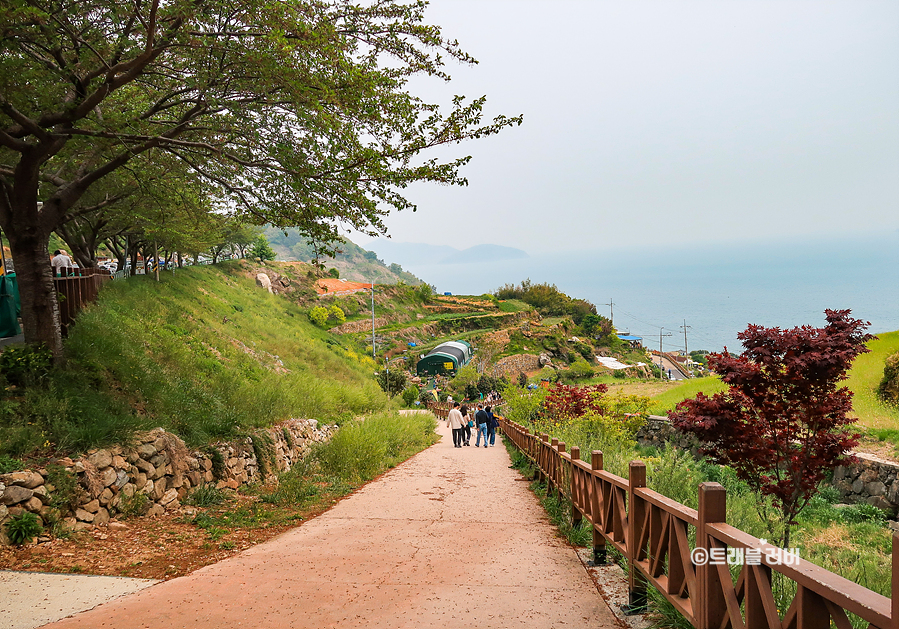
(492, 425)
(481, 419)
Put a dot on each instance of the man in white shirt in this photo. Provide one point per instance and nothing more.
(455, 421)
(60, 262)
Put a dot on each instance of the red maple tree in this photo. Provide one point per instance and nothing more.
(566, 402)
(783, 422)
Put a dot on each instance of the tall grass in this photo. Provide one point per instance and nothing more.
(357, 453)
(363, 449)
(864, 377)
(203, 353)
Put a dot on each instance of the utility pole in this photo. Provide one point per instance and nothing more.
(611, 311)
(685, 327)
(661, 367)
(373, 320)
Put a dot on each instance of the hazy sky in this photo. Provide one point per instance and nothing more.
(669, 122)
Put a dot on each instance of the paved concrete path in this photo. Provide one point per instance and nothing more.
(450, 539)
(31, 599)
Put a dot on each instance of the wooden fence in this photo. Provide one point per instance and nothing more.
(653, 533)
(75, 288)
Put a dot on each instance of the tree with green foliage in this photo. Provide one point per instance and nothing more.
(262, 250)
(410, 395)
(294, 113)
(547, 300)
(392, 382)
(318, 315)
(335, 313)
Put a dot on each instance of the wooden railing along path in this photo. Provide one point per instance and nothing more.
(653, 533)
(75, 288)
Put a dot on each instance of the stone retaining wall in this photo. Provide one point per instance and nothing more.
(870, 479)
(160, 467)
(519, 363)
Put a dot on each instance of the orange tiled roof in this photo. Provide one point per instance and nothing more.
(334, 286)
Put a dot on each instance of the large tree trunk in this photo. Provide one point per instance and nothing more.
(133, 259)
(40, 308)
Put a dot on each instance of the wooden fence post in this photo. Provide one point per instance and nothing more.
(894, 606)
(541, 459)
(712, 607)
(636, 509)
(599, 540)
(576, 489)
(560, 471)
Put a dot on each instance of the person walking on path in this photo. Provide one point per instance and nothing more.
(60, 262)
(466, 428)
(492, 425)
(481, 419)
(456, 421)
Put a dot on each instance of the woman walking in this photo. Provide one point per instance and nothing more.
(455, 421)
(466, 429)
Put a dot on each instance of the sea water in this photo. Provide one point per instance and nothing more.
(716, 291)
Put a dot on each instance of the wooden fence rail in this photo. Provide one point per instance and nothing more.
(75, 288)
(654, 533)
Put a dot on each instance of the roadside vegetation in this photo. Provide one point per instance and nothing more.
(850, 540)
(204, 354)
(877, 418)
(789, 378)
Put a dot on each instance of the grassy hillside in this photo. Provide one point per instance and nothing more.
(881, 420)
(664, 402)
(204, 353)
(352, 261)
(865, 375)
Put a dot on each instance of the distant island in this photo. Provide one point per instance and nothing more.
(415, 253)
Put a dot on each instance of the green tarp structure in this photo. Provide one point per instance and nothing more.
(10, 306)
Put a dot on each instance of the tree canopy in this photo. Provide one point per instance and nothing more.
(291, 113)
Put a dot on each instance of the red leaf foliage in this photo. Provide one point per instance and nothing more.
(566, 402)
(784, 421)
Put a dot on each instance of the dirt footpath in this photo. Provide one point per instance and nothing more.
(451, 538)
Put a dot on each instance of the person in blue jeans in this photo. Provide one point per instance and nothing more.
(492, 425)
(481, 419)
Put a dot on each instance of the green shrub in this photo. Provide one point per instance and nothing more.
(410, 394)
(25, 365)
(67, 493)
(319, 315)
(862, 512)
(888, 389)
(9, 464)
(134, 505)
(264, 449)
(335, 313)
(205, 496)
(218, 463)
(288, 437)
(23, 528)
